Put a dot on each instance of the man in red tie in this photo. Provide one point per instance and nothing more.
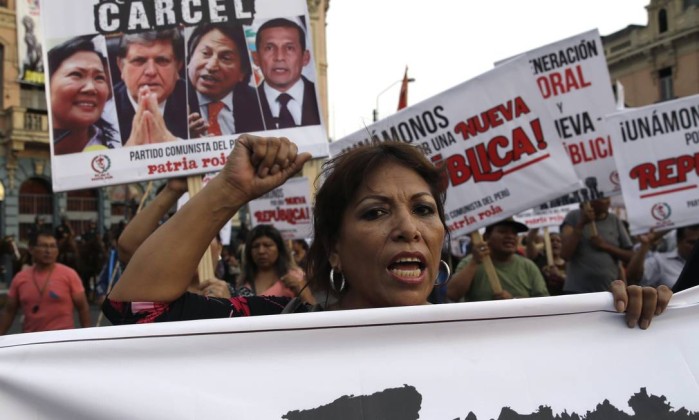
(221, 101)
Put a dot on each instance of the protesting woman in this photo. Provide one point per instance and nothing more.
(379, 228)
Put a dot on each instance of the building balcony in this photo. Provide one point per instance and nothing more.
(21, 126)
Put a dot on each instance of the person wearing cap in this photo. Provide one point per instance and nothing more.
(518, 276)
(288, 99)
(593, 255)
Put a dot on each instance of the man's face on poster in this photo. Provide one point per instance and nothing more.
(151, 64)
(281, 57)
(215, 67)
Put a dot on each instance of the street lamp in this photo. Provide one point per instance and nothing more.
(376, 110)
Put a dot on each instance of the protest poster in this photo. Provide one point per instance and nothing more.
(656, 149)
(573, 79)
(287, 208)
(29, 42)
(495, 138)
(562, 357)
(153, 106)
(539, 217)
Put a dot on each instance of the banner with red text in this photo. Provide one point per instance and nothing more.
(134, 93)
(287, 208)
(544, 358)
(572, 78)
(538, 217)
(495, 137)
(657, 149)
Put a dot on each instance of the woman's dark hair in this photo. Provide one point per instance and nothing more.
(281, 266)
(344, 175)
(60, 53)
(234, 33)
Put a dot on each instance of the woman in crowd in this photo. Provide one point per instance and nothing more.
(268, 268)
(379, 228)
(554, 274)
(79, 91)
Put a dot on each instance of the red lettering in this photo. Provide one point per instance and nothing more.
(555, 84)
(665, 172)
(493, 117)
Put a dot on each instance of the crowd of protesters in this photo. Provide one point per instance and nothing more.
(260, 262)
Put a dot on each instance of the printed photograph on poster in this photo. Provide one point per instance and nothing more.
(183, 83)
(286, 88)
(83, 117)
(29, 42)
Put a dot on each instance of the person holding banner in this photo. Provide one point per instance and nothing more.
(379, 226)
(662, 267)
(151, 96)
(288, 98)
(220, 99)
(554, 271)
(593, 242)
(79, 90)
(519, 276)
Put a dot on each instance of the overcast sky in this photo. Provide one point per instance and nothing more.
(443, 43)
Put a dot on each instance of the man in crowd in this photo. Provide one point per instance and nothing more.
(518, 276)
(47, 293)
(659, 268)
(288, 98)
(220, 99)
(151, 96)
(594, 242)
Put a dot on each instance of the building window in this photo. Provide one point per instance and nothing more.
(35, 199)
(662, 21)
(690, 3)
(665, 79)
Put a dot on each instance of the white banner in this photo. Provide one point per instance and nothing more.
(573, 79)
(658, 160)
(496, 139)
(287, 208)
(538, 217)
(30, 42)
(497, 359)
(102, 136)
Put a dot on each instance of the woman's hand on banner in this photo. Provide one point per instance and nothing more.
(641, 304)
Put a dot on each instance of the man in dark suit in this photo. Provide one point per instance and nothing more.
(220, 99)
(288, 99)
(150, 63)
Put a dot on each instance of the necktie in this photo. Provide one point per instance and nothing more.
(214, 109)
(285, 118)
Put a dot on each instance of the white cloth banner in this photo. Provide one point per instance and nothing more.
(567, 353)
(88, 153)
(287, 208)
(496, 139)
(573, 79)
(657, 153)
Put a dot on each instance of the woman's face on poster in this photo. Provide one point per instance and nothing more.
(79, 90)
